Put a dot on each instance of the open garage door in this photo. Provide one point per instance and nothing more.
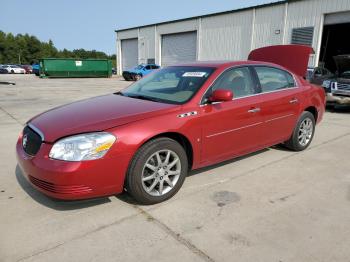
(335, 40)
(179, 48)
(129, 50)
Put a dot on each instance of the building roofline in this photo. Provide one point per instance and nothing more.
(208, 15)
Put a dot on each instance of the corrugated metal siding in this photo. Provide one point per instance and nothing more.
(226, 36)
(310, 13)
(133, 33)
(229, 36)
(146, 44)
(267, 21)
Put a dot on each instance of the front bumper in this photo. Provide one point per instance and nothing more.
(72, 180)
(129, 75)
(338, 99)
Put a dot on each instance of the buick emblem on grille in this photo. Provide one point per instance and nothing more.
(24, 141)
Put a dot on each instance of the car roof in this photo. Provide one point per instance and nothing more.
(221, 64)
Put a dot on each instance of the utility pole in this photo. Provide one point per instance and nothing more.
(19, 57)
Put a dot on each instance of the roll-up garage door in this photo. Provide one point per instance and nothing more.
(179, 48)
(129, 50)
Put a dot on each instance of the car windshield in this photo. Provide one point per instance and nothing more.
(14, 66)
(139, 66)
(174, 85)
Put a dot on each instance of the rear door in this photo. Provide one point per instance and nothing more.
(280, 98)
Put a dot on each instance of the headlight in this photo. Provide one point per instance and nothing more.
(82, 147)
(326, 83)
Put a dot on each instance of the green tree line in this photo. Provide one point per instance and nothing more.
(28, 49)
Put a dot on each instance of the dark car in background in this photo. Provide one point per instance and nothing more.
(136, 73)
(337, 87)
(28, 68)
(3, 70)
(316, 75)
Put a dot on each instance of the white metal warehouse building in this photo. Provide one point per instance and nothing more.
(231, 35)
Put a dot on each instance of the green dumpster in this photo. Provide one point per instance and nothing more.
(70, 67)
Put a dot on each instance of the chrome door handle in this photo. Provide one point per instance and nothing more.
(254, 110)
(293, 101)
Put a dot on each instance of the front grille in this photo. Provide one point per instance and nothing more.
(59, 189)
(31, 141)
(343, 86)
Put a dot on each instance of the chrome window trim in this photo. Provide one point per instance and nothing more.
(37, 130)
(296, 83)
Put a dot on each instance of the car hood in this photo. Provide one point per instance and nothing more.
(95, 114)
(342, 62)
(133, 71)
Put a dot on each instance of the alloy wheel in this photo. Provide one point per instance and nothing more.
(161, 172)
(305, 132)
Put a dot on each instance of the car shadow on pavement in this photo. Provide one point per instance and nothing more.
(60, 205)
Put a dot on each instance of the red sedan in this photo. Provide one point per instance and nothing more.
(147, 137)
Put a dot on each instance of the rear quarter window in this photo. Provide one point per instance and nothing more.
(272, 79)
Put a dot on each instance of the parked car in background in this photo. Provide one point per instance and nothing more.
(28, 68)
(147, 137)
(316, 75)
(14, 69)
(338, 86)
(139, 71)
(3, 70)
(114, 71)
(36, 69)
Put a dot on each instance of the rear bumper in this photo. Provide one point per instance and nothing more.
(72, 180)
(338, 99)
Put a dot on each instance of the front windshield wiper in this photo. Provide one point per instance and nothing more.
(144, 97)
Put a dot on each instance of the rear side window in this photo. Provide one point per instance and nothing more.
(272, 79)
(238, 80)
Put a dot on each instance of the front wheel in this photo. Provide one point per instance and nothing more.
(157, 171)
(137, 77)
(303, 132)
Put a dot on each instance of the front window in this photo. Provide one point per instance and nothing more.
(174, 85)
(237, 80)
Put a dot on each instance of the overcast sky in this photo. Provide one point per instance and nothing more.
(90, 24)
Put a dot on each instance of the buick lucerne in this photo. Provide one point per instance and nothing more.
(147, 137)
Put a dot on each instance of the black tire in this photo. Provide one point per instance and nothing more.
(12, 72)
(137, 77)
(293, 143)
(133, 183)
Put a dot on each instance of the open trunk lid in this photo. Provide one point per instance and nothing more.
(293, 57)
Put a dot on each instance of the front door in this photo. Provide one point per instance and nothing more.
(231, 128)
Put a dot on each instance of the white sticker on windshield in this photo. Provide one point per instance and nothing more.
(194, 74)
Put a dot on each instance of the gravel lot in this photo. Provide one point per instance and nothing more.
(274, 205)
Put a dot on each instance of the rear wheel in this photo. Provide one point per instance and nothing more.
(157, 171)
(303, 132)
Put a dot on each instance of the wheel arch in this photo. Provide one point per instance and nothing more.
(181, 139)
(313, 111)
